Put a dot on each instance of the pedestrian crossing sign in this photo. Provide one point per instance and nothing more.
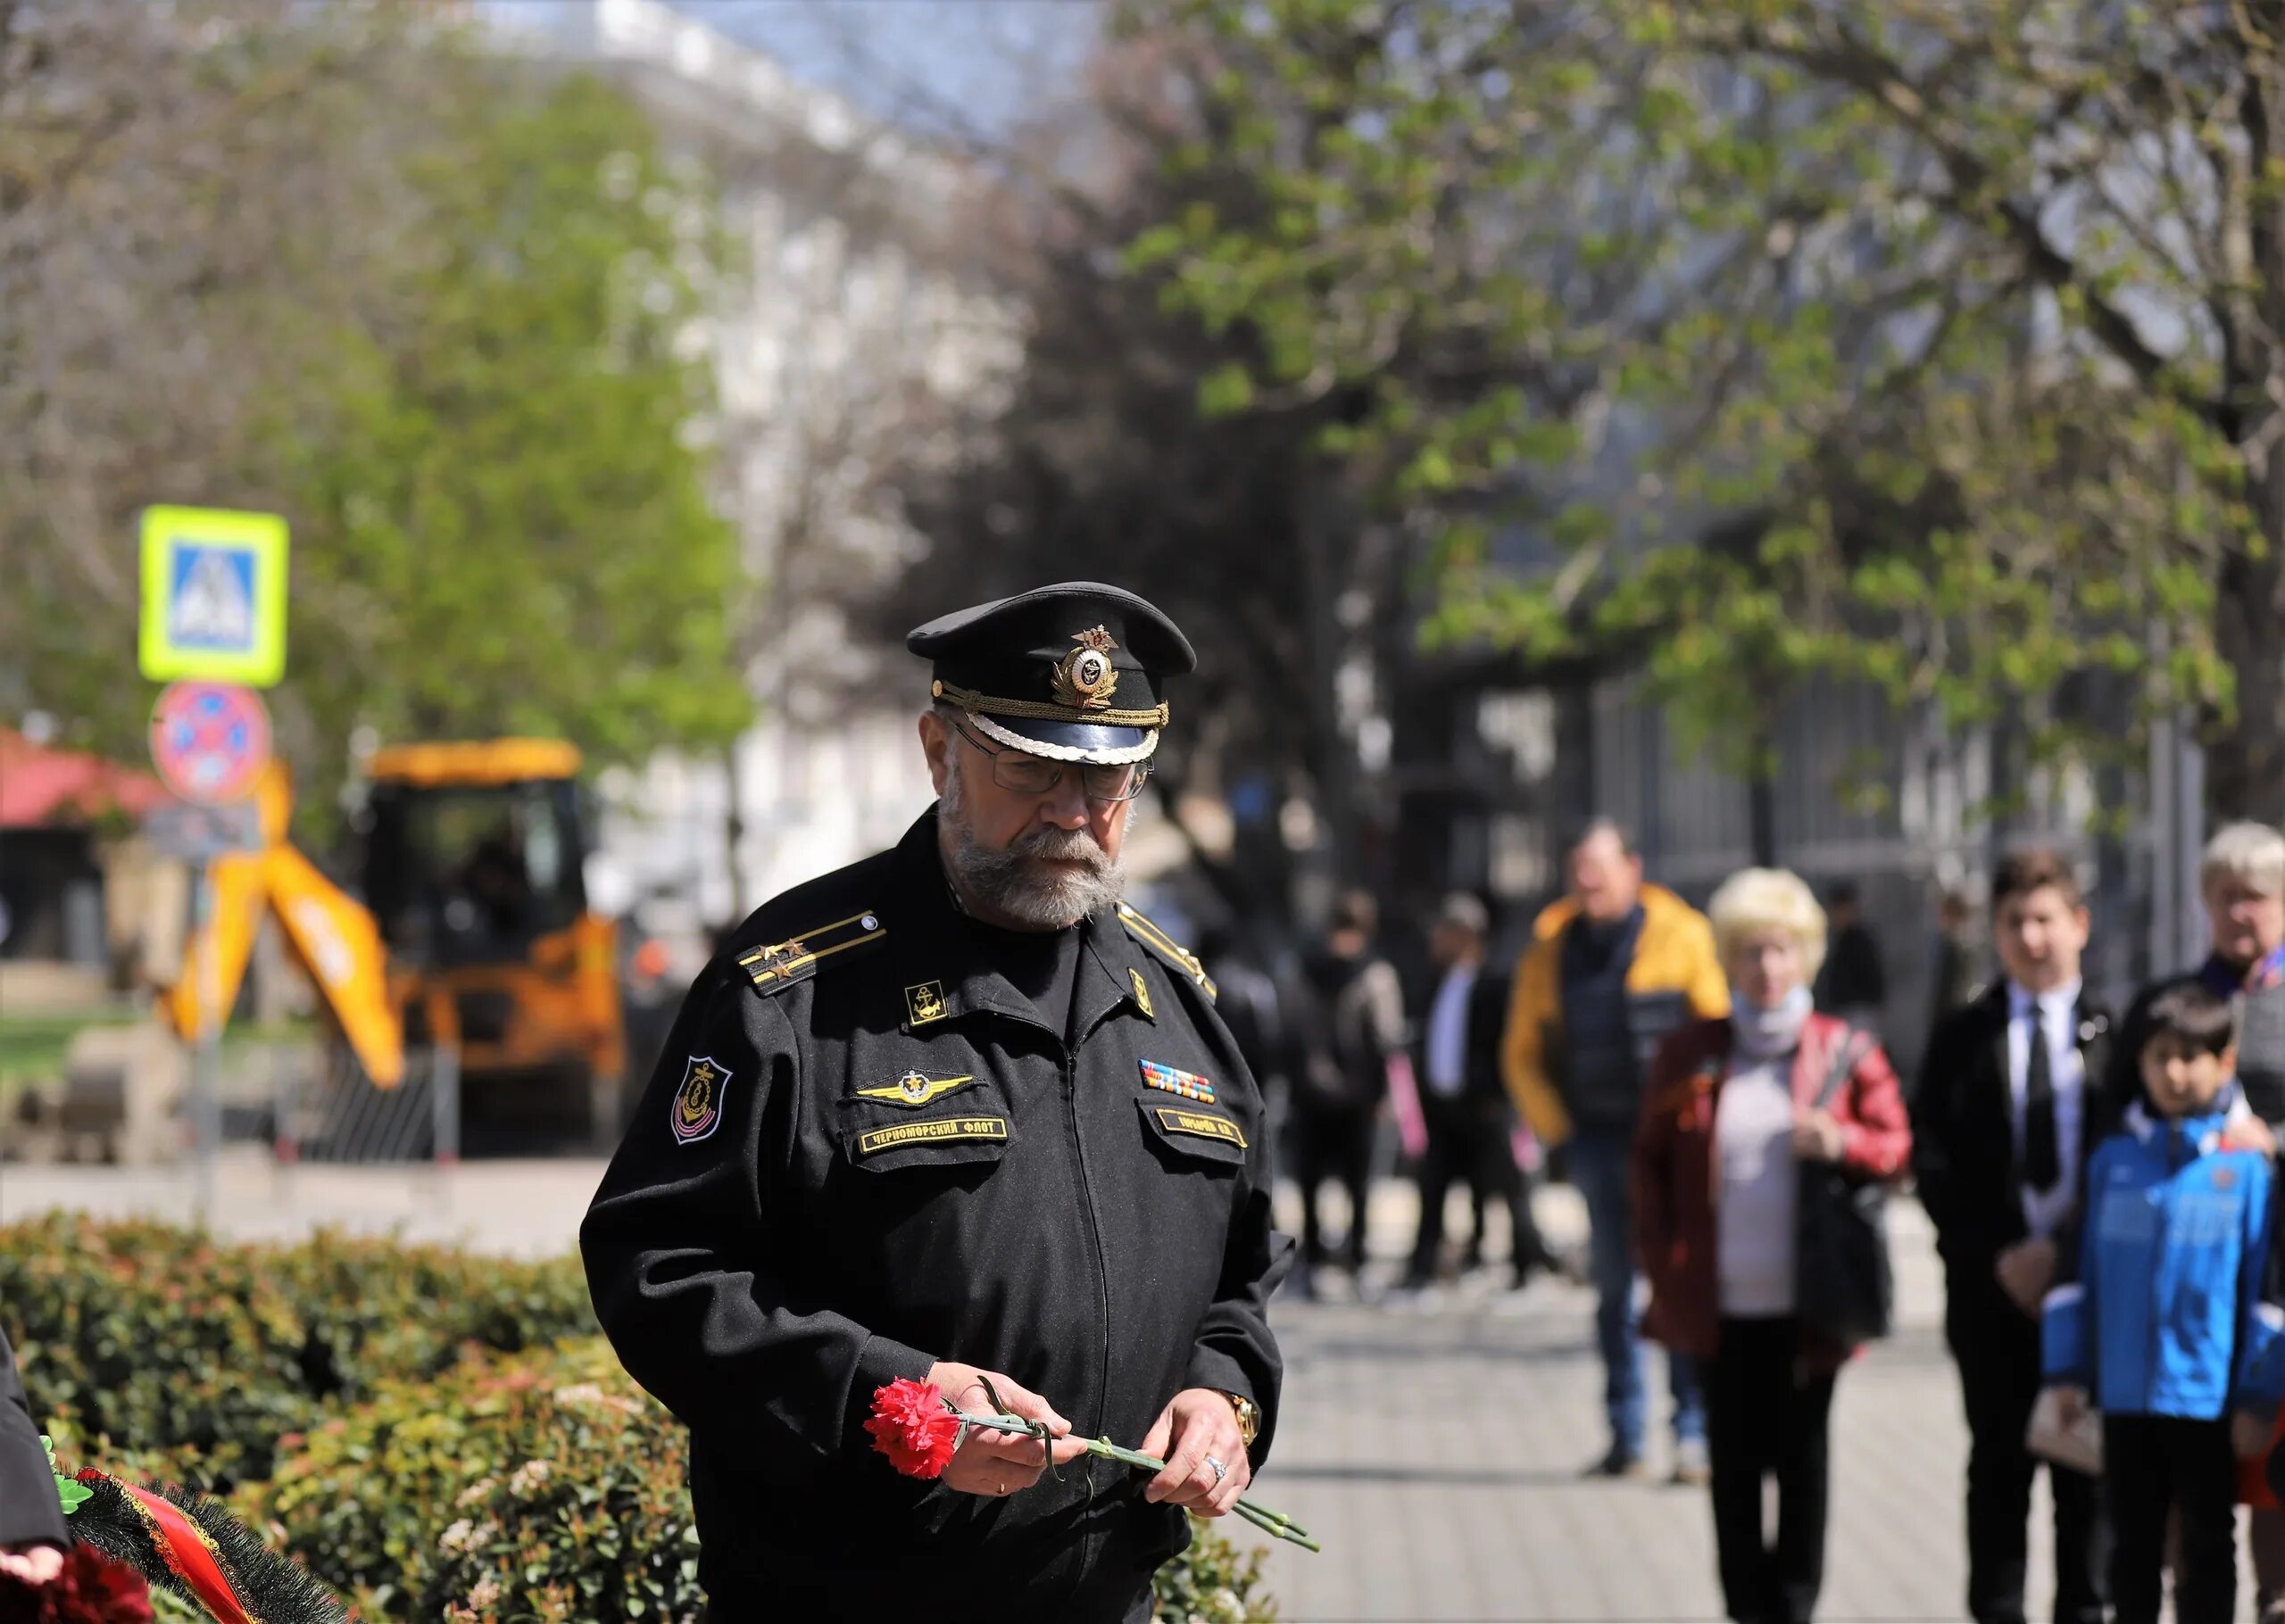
(214, 596)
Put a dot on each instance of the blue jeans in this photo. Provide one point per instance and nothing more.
(1602, 1167)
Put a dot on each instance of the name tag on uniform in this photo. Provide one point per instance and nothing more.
(1189, 1085)
(1203, 1125)
(935, 1130)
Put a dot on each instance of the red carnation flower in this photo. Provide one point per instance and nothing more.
(911, 1426)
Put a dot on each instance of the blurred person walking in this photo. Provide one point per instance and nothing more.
(1957, 972)
(2170, 1327)
(1853, 984)
(2003, 1123)
(1735, 1106)
(1613, 969)
(1355, 1025)
(1471, 1122)
(2241, 880)
(1249, 1005)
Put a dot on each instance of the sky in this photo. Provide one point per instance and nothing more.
(917, 61)
(971, 66)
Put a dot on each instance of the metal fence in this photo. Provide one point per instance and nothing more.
(339, 1115)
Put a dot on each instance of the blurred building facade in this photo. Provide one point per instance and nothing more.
(859, 312)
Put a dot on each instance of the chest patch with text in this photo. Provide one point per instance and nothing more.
(1204, 1124)
(936, 1130)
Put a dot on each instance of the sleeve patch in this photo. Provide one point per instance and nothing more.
(697, 1107)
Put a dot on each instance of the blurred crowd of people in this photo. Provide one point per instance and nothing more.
(1716, 1089)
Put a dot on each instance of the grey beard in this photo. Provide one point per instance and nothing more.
(1015, 885)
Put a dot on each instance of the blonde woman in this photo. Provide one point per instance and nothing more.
(1730, 1113)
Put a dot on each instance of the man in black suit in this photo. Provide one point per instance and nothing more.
(32, 1536)
(2003, 1123)
(1470, 1120)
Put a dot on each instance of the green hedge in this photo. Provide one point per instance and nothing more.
(164, 1343)
(541, 1486)
(437, 1436)
(548, 1486)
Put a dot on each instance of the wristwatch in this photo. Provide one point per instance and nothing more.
(1249, 1417)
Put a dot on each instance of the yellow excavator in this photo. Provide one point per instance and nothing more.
(475, 930)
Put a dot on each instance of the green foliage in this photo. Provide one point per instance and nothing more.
(506, 477)
(1749, 337)
(543, 1486)
(1213, 1582)
(200, 1356)
(453, 306)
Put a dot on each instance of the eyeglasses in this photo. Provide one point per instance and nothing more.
(1028, 775)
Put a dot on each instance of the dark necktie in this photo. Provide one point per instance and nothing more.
(2042, 1161)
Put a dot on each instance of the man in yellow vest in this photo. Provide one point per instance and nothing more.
(1612, 969)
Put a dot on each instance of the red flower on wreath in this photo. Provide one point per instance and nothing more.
(91, 1589)
(911, 1426)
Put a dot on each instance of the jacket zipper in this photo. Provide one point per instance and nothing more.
(1102, 1287)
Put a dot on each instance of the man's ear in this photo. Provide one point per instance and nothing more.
(937, 745)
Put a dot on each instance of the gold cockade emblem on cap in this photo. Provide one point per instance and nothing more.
(1084, 679)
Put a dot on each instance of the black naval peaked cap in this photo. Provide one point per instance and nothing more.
(1075, 672)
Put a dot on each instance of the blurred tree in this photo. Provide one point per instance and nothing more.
(1100, 464)
(435, 307)
(1930, 342)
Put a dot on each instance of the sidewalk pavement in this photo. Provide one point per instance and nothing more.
(513, 1208)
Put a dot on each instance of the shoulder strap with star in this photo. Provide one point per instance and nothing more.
(777, 966)
(1166, 947)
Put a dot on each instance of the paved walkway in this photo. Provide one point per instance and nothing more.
(1435, 1448)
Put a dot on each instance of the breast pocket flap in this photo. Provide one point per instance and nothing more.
(1193, 1133)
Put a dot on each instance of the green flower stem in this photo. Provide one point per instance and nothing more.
(1274, 1523)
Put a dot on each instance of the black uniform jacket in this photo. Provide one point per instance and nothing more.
(1964, 1152)
(31, 1510)
(863, 1151)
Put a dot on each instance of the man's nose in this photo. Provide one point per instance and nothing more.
(1066, 805)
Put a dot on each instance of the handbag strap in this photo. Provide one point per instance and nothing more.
(1846, 1054)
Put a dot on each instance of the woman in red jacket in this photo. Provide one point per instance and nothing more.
(1728, 1116)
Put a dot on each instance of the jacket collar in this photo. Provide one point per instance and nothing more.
(2203, 1131)
(946, 976)
(1659, 907)
(1999, 999)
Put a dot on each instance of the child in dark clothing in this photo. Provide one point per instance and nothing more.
(2166, 1331)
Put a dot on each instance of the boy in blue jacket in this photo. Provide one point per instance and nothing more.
(2166, 1331)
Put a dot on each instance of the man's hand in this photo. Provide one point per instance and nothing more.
(994, 1462)
(1817, 1137)
(2250, 1434)
(2247, 1131)
(2070, 1408)
(37, 1566)
(1196, 1427)
(2025, 1271)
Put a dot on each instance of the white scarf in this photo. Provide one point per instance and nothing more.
(1766, 1034)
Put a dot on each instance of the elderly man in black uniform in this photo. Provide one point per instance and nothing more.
(957, 1113)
